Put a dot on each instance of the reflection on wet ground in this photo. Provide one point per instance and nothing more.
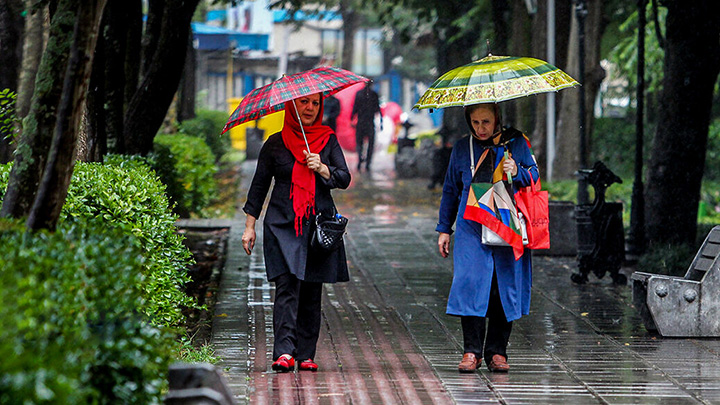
(386, 338)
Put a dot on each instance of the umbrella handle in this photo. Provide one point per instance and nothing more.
(507, 156)
(301, 126)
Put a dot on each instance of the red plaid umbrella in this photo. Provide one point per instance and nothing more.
(272, 97)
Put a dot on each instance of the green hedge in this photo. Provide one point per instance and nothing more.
(208, 125)
(71, 332)
(187, 166)
(126, 195)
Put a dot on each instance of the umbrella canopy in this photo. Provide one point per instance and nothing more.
(493, 79)
(272, 97)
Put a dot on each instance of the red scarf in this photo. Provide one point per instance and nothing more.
(302, 188)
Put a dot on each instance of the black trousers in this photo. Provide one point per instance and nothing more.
(296, 317)
(363, 133)
(498, 329)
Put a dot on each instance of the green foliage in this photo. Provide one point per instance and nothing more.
(187, 166)
(674, 260)
(709, 209)
(613, 143)
(191, 354)
(7, 112)
(208, 125)
(625, 54)
(71, 332)
(712, 157)
(126, 195)
(566, 190)
(671, 260)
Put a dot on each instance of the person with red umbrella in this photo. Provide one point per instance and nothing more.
(306, 162)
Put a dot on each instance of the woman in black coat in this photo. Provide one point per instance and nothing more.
(302, 188)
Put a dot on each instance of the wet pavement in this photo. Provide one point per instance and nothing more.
(386, 339)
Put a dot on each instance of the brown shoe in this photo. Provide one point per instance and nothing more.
(469, 363)
(499, 364)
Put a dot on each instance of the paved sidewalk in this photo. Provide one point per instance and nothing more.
(385, 338)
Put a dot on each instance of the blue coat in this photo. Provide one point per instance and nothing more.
(473, 261)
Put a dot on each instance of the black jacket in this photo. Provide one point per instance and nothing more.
(283, 250)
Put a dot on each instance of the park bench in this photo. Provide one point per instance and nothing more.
(683, 306)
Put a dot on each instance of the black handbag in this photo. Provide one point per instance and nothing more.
(329, 231)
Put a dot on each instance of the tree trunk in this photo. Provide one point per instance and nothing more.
(350, 23)
(501, 17)
(538, 134)
(563, 21)
(96, 137)
(186, 98)
(151, 36)
(567, 156)
(11, 34)
(61, 161)
(677, 162)
(449, 56)
(133, 54)
(32, 53)
(595, 25)
(106, 98)
(519, 112)
(34, 142)
(151, 101)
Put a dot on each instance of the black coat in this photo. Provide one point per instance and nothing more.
(284, 251)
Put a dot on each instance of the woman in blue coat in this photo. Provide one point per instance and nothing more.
(489, 286)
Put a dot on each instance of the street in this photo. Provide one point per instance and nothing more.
(386, 338)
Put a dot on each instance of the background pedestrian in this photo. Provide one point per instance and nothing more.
(366, 105)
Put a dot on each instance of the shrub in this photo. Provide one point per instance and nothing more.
(126, 194)
(208, 125)
(712, 158)
(7, 112)
(186, 165)
(71, 332)
(613, 143)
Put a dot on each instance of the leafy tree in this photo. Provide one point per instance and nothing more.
(624, 53)
(53, 118)
(567, 157)
(53, 188)
(153, 97)
(137, 74)
(675, 170)
(12, 22)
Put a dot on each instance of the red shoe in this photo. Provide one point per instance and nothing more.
(284, 364)
(308, 364)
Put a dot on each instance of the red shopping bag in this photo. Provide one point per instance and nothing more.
(533, 203)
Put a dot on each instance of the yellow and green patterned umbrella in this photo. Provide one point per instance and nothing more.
(493, 79)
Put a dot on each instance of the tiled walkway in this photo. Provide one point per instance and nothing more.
(386, 339)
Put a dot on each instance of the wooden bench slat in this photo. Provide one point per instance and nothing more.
(711, 250)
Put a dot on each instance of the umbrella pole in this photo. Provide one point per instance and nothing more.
(301, 126)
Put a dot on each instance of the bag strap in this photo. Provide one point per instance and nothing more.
(473, 166)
